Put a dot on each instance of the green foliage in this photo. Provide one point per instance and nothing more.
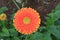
(52, 17)
(40, 36)
(13, 32)
(53, 22)
(4, 32)
(49, 32)
(3, 9)
(15, 38)
(53, 30)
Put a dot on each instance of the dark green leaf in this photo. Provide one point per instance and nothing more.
(57, 8)
(52, 17)
(4, 32)
(40, 36)
(13, 32)
(53, 29)
(3, 9)
(15, 38)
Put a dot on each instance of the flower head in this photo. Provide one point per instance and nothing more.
(3, 16)
(26, 20)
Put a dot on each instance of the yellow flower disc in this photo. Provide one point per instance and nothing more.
(26, 20)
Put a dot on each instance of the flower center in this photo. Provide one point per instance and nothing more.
(26, 20)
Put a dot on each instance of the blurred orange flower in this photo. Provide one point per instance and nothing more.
(26, 20)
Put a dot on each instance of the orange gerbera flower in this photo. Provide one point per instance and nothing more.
(26, 20)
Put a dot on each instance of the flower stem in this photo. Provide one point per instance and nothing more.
(16, 4)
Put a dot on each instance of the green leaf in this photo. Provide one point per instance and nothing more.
(0, 23)
(4, 32)
(4, 23)
(53, 29)
(1, 39)
(57, 23)
(15, 38)
(3, 9)
(52, 22)
(58, 28)
(40, 36)
(52, 17)
(57, 8)
(57, 14)
(13, 32)
(12, 17)
(7, 39)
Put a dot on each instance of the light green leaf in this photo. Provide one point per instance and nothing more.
(52, 17)
(4, 23)
(57, 23)
(53, 29)
(35, 36)
(4, 32)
